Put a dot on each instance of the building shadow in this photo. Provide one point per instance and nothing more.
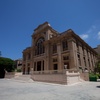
(2, 72)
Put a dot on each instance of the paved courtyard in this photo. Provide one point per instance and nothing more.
(12, 89)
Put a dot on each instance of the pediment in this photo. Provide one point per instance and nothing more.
(41, 27)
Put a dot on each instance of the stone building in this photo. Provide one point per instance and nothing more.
(56, 51)
(97, 49)
(18, 63)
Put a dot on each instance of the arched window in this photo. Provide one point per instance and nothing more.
(40, 46)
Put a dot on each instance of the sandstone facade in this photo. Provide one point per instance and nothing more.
(56, 51)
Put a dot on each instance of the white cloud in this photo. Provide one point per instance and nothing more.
(84, 36)
(99, 35)
(91, 29)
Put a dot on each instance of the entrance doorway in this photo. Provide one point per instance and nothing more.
(28, 70)
(23, 70)
(55, 67)
(39, 66)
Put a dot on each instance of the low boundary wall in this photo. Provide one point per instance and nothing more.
(11, 74)
(54, 76)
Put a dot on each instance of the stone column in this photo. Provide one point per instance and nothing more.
(26, 68)
(47, 56)
(86, 58)
(73, 54)
(59, 56)
(81, 57)
(92, 68)
(42, 65)
(90, 61)
(36, 66)
(45, 65)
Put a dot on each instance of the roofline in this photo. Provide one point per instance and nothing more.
(75, 35)
(41, 25)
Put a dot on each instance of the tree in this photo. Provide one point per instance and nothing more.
(0, 54)
(7, 64)
(97, 68)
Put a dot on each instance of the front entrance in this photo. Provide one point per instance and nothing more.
(28, 70)
(23, 70)
(39, 66)
(55, 67)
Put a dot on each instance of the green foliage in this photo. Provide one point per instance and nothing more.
(97, 67)
(98, 75)
(7, 64)
(18, 70)
(93, 77)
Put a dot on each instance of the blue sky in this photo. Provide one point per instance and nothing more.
(18, 19)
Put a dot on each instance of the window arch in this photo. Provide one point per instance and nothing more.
(40, 46)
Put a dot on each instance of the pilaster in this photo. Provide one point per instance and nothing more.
(81, 56)
(59, 56)
(73, 54)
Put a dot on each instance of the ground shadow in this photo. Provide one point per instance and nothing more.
(2, 72)
(98, 86)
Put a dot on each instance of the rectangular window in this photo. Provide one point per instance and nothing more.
(83, 51)
(79, 60)
(89, 62)
(24, 57)
(54, 48)
(66, 65)
(34, 66)
(19, 64)
(77, 47)
(28, 64)
(84, 61)
(54, 59)
(65, 57)
(29, 56)
(55, 67)
(65, 45)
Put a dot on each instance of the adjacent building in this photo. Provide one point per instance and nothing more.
(51, 50)
(18, 63)
(97, 49)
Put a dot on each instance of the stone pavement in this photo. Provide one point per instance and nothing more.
(14, 89)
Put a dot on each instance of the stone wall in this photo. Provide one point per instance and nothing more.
(12, 74)
(65, 77)
(50, 78)
(84, 76)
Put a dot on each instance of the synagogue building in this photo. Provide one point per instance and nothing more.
(51, 50)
